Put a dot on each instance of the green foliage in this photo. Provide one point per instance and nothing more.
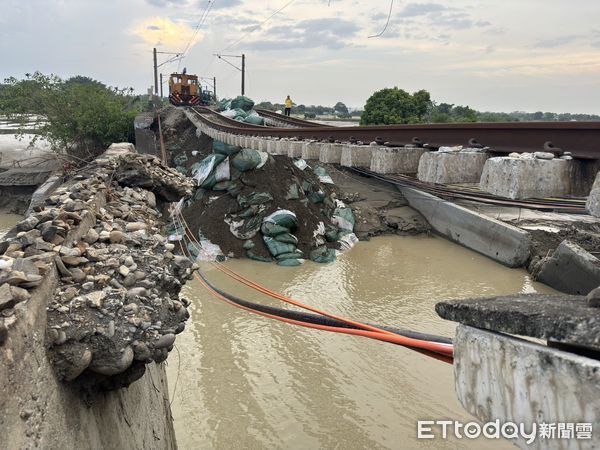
(396, 106)
(341, 109)
(79, 116)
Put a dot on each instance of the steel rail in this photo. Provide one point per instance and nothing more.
(573, 206)
(293, 121)
(582, 139)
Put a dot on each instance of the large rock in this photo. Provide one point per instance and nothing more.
(396, 160)
(451, 167)
(593, 201)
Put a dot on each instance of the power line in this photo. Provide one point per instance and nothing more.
(259, 25)
(209, 5)
(386, 24)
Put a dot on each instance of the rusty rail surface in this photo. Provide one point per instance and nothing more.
(293, 121)
(582, 139)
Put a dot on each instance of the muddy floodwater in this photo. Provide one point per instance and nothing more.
(7, 221)
(242, 381)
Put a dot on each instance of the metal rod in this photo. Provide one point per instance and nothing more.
(243, 74)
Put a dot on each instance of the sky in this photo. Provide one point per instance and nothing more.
(492, 55)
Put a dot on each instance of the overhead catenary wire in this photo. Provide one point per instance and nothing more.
(386, 23)
(209, 5)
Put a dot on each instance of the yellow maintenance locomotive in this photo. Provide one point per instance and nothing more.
(184, 90)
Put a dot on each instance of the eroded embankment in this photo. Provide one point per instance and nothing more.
(89, 303)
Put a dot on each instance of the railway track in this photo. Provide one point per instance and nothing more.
(289, 121)
(582, 139)
(566, 205)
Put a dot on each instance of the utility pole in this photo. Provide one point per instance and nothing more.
(241, 69)
(243, 74)
(161, 86)
(215, 87)
(155, 72)
(156, 66)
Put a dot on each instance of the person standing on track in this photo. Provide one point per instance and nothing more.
(288, 105)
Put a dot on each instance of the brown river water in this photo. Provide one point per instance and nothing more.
(240, 381)
(243, 381)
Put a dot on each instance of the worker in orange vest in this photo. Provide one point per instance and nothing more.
(288, 105)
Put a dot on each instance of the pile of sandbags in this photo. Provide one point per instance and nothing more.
(241, 109)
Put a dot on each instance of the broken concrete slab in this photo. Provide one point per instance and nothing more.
(504, 243)
(525, 383)
(396, 160)
(566, 319)
(570, 269)
(451, 167)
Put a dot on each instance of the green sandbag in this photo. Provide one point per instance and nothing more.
(307, 186)
(331, 235)
(180, 160)
(234, 189)
(251, 211)
(255, 198)
(272, 229)
(225, 149)
(221, 186)
(278, 248)
(283, 218)
(287, 238)
(252, 255)
(343, 218)
(182, 170)
(224, 104)
(316, 197)
(239, 112)
(242, 102)
(206, 168)
(289, 263)
(293, 192)
(210, 181)
(293, 255)
(322, 255)
(246, 159)
(193, 248)
(248, 245)
(254, 120)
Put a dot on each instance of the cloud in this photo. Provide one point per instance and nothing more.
(314, 33)
(222, 4)
(158, 31)
(421, 9)
(557, 41)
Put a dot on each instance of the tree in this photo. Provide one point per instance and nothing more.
(396, 106)
(80, 117)
(340, 108)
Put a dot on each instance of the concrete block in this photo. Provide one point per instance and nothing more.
(593, 201)
(271, 146)
(262, 144)
(331, 153)
(248, 142)
(311, 150)
(356, 155)
(570, 269)
(295, 149)
(396, 160)
(254, 143)
(513, 380)
(451, 167)
(44, 191)
(502, 242)
(519, 178)
(283, 147)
